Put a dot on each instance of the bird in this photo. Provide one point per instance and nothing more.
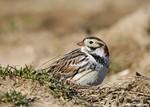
(86, 65)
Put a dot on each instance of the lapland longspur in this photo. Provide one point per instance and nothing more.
(86, 65)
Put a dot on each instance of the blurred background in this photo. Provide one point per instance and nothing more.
(34, 31)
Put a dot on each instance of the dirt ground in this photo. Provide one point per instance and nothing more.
(34, 31)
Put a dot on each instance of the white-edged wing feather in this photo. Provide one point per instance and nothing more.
(68, 64)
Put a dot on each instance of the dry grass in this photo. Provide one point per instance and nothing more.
(38, 88)
(135, 91)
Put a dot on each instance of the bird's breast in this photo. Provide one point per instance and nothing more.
(90, 77)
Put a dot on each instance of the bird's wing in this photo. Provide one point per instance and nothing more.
(46, 64)
(68, 64)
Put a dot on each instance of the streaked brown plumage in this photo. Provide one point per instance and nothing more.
(87, 65)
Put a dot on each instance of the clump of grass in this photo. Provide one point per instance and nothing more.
(55, 84)
(12, 71)
(16, 98)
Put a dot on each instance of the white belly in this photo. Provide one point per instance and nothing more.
(90, 77)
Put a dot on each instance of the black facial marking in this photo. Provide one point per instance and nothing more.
(92, 48)
(100, 44)
(92, 37)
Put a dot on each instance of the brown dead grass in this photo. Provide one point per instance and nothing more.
(130, 91)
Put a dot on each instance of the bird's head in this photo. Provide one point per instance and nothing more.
(94, 45)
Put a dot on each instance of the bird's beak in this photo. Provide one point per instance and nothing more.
(81, 43)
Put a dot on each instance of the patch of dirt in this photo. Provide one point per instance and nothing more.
(132, 91)
(32, 89)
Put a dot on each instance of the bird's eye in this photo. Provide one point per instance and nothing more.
(91, 42)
